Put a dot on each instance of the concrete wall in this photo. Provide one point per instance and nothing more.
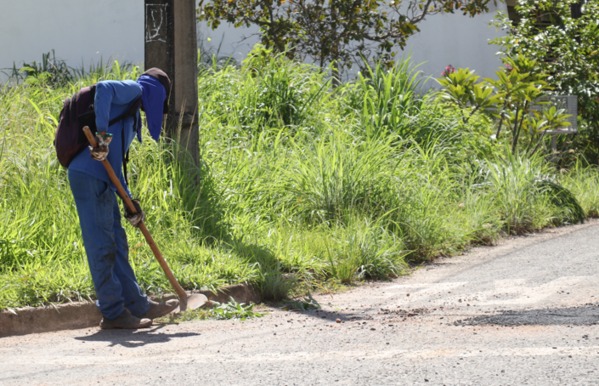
(105, 30)
(455, 39)
(82, 33)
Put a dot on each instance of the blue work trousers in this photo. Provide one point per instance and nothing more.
(105, 243)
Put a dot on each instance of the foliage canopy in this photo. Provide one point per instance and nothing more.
(561, 38)
(333, 31)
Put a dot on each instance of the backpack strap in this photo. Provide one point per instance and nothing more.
(125, 157)
(131, 111)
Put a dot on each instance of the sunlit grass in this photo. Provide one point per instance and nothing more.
(302, 186)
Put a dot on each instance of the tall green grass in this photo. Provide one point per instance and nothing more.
(302, 185)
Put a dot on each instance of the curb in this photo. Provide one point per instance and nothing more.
(30, 320)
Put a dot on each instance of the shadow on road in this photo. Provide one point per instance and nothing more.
(337, 316)
(576, 316)
(134, 338)
(310, 307)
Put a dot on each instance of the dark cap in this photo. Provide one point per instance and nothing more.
(163, 78)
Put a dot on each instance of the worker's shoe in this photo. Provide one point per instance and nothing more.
(157, 310)
(125, 321)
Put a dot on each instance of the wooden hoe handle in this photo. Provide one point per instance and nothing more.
(129, 203)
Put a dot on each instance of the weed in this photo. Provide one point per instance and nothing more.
(235, 310)
(305, 304)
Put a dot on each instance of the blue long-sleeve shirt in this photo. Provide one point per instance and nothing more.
(112, 99)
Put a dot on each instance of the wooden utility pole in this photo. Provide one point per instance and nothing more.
(171, 44)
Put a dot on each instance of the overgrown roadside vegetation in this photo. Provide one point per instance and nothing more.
(304, 186)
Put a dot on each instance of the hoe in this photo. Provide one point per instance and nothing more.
(186, 301)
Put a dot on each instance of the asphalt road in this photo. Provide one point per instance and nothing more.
(524, 312)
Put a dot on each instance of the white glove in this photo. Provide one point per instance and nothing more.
(100, 152)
